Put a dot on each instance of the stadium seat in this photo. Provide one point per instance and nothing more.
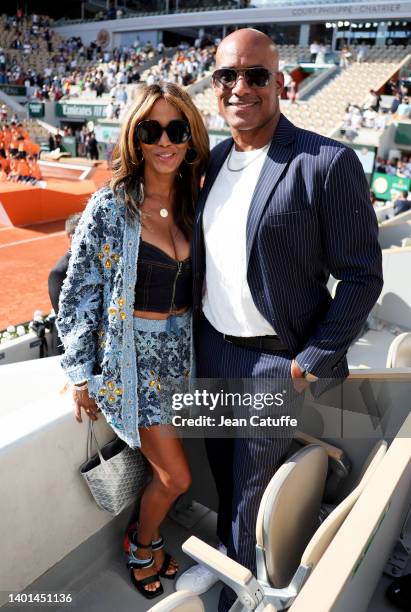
(288, 543)
(399, 353)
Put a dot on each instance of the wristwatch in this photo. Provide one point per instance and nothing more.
(310, 377)
(307, 375)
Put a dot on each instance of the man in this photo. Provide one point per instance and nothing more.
(402, 203)
(58, 274)
(362, 52)
(314, 48)
(281, 209)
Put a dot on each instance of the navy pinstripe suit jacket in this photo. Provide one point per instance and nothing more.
(310, 216)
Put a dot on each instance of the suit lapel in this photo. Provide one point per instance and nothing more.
(276, 161)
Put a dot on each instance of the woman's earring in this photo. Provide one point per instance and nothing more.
(191, 156)
(139, 155)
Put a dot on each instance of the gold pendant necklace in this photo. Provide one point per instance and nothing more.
(163, 213)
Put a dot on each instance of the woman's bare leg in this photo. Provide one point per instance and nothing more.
(171, 478)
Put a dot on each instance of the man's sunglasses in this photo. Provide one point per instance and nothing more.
(150, 131)
(254, 77)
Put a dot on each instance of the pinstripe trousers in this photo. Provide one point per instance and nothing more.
(242, 467)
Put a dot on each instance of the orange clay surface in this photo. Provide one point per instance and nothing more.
(32, 239)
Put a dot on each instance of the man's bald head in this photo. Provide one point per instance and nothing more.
(247, 41)
(248, 91)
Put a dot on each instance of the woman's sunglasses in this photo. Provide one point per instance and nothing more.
(150, 131)
(254, 77)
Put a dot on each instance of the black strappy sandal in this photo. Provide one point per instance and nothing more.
(136, 563)
(158, 545)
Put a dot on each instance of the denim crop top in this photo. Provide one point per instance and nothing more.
(163, 283)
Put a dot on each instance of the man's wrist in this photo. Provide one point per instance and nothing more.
(306, 374)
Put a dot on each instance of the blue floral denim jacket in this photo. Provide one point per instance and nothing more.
(95, 320)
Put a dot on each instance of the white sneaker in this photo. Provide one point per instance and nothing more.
(198, 578)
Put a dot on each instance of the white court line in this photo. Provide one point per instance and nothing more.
(4, 246)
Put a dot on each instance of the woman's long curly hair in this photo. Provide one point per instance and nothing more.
(128, 167)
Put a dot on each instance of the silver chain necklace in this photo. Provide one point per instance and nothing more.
(263, 150)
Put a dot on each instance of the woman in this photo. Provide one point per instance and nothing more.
(124, 315)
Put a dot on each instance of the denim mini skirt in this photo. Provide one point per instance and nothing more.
(163, 351)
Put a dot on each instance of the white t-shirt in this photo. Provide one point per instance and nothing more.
(227, 301)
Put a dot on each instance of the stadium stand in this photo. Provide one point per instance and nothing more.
(326, 109)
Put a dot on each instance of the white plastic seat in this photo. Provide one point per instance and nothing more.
(327, 530)
(289, 545)
(399, 353)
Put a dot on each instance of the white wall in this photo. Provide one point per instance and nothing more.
(46, 508)
(394, 303)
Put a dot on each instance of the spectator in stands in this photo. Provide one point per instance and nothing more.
(52, 142)
(4, 161)
(314, 49)
(403, 110)
(99, 87)
(58, 140)
(373, 101)
(110, 109)
(407, 162)
(322, 50)
(402, 169)
(345, 57)
(356, 118)
(23, 170)
(401, 203)
(369, 116)
(109, 152)
(391, 167)
(382, 119)
(292, 91)
(13, 173)
(121, 95)
(91, 146)
(111, 13)
(395, 103)
(35, 172)
(362, 52)
(150, 79)
(58, 274)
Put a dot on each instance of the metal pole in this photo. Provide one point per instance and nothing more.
(334, 39)
(82, 9)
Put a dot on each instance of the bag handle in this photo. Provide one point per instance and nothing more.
(90, 435)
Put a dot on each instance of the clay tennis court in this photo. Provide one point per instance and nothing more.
(32, 239)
